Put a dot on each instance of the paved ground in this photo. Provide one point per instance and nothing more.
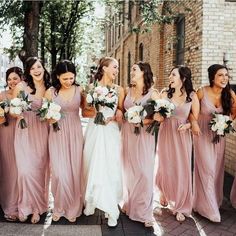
(96, 225)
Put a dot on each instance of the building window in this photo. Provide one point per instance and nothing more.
(180, 34)
(140, 52)
(130, 11)
(129, 67)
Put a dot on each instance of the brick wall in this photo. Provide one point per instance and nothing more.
(209, 33)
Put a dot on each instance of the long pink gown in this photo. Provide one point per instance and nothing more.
(209, 165)
(138, 168)
(174, 149)
(233, 194)
(31, 150)
(8, 168)
(65, 149)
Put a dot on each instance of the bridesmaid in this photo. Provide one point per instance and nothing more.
(174, 146)
(8, 186)
(139, 151)
(31, 145)
(65, 145)
(102, 150)
(209, 161)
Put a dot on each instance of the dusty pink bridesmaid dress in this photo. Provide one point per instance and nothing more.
(8, 169)
(138, 168)
(31, 150)
(233, 194)
(174, 149)
(209, 165)
(65, 149)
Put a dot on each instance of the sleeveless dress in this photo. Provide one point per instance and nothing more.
(174, 150)
(209, 165)
(8, 168)
(138, 167)
(102, 166)
(233, 194)
(31, 150)
(65, 149)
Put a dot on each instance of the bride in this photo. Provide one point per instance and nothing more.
(102, 150)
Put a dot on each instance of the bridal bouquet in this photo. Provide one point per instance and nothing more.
(5, 105)
(136, 115)
(50, 110)
(220, 124)
(162, 106)
(19, 105)
(101, 97)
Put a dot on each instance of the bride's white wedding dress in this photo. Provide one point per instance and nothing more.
(102, 167)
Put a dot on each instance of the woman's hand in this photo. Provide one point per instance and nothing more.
(158, 117)
(195, 128)
(184, 127)
(119, 116)
(51, 121)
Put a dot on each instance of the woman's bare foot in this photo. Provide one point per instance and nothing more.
(35, 218)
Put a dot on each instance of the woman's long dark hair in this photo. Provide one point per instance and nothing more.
(16, 70)
(29, 79)
(147, 75)
(226, 98)
(104, 61)
(186, 78)
(62, 67)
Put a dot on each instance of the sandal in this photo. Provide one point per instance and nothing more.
(10, 218)
(180, 217)
(23, 218)
(55, 217)
(35, 218)
(72, 220)
(157, 211)
(148, 224)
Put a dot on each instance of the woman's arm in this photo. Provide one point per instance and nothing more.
(233, 109)
(195, 110)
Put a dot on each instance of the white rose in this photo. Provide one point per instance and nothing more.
(56, 116)
(105, 91)
(16, 110)
(45, 105)
(16, 102)
(89, 99)
(54, 107)
(48, 115)
(135, 119)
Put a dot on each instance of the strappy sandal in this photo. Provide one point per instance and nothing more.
(148, 224)
(55, 217)
(35, 218)
(157, 211)
(180, 217)
(10, 218)
(163, 201)
(72, 220)
(23, 218)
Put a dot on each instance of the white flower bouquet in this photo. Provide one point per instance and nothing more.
(162, 106)
(136, 115)
(101, 97)
(18, 105)
(50, 110)
(220, 124)
(5, 105)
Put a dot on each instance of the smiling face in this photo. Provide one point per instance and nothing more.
(136, 74)
(175, 80)
(12, 80)
(37, 71)
(221, 78)
(111, 71)
(66, 79)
